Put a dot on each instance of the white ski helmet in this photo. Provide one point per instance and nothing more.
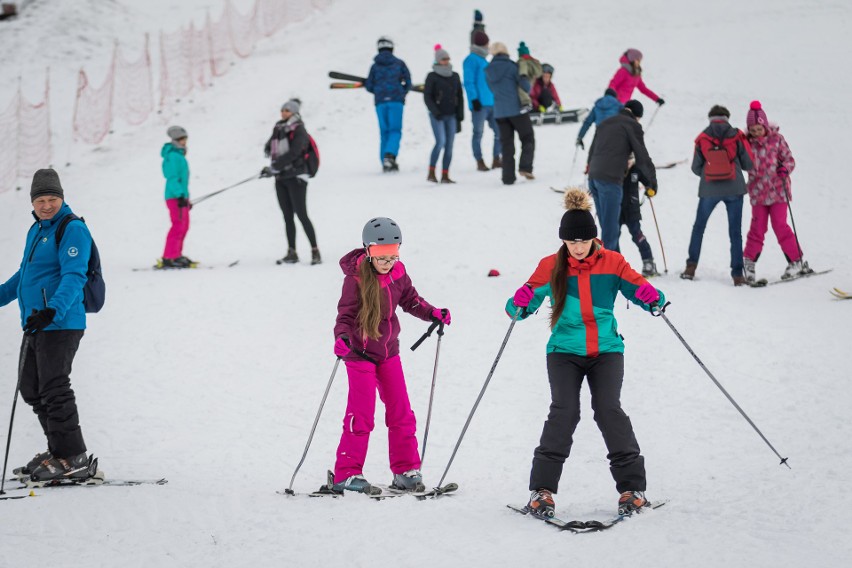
(176, 132)
(384, 43)
(381, 231)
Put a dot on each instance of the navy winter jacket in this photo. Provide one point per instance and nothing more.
(389, 79)
(503, 79)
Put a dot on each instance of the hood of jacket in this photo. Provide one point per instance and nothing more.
(169, 147)
(720, 129)
(385, 58)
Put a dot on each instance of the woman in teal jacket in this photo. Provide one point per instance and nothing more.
(176, 172)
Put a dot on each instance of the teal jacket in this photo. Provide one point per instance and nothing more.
(176, 171)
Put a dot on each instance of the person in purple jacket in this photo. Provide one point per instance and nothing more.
(367, 339)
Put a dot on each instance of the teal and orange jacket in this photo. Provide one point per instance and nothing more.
(587, 326)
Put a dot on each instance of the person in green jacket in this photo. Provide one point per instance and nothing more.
(176, 172)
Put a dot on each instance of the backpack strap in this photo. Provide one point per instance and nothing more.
(60, 230)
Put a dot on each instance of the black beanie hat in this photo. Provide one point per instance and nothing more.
(577, 225)
(635, 107)
(611, 92)
(46, 182)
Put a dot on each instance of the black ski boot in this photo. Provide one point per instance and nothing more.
(27, 470)
(541, 503)
(74, 467)
(411, 480)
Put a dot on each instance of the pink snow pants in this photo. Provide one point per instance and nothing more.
(364, 379)
(760, 217)
(177, 233)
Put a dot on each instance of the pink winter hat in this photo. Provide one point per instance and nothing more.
(756, 115)
(633, 54)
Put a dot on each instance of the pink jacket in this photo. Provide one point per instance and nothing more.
(770, 152)
(623, 82)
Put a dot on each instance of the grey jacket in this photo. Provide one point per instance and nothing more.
(615, 138)
(720, 128)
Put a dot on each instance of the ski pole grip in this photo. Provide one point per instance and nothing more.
(657, 311)
(435, 323)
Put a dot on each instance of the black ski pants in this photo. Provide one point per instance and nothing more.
(605, 373)
(508, 127)
(46, 386)
(293, 199)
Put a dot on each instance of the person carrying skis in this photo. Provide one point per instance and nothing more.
(605, 107)
(721, 155)
(629, 77)
(480, 100)
(769, 193)
(631, 215)
(444, 98)
(49, 289)
(582, 281)
(176, 172)
(286, 148)
(543, 95)
(389, 80)
(367, 339)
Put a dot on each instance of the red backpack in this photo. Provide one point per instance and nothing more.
(312, 157)
(719, 156)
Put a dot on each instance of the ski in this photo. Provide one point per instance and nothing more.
(840, 294)
(800, 276)
(578, 526)
(346, 77)
(571, 526)
(5, 497)
(356, 85)
(670, 165)
(383, 491)
(194, 266)
(597, 526)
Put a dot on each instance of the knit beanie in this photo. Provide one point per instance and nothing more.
(440, 53)
(176, 132)
(523, 50)
(635, 107)
(480, 38)
(498, 48)
(293, 105)
(46, 182)
(611, 92)
(477, 16)
(756, 115)
(577, 223)
(633, 55)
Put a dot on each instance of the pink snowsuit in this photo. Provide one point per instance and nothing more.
(623, 82)
(384, 374)
(177, 233)
(768, 194)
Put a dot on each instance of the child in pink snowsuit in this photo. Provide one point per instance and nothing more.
(367, 339)
(629, 77)
(769, 192)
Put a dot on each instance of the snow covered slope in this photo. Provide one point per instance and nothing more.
(212, 378)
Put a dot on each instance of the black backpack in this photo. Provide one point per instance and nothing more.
(94, 291)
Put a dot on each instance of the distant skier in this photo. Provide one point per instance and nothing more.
(286, 148)
(582, 281)
(389, 80)
(629, 77)
(605, 107)
(176, 172)
(631, 214)
(49, 289)
(544, 95)
(769, 191)
(480, 100)
(367, 338)
(444, 98)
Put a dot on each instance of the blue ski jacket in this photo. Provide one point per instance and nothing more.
(605, 107)
(475, 85)
(389, 79)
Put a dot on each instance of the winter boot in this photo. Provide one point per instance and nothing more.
(541, 503)
(411, 480)
(75, 467)
(26, 470)
(431, 177)
(749, 272)
(358, 484)
(631, 501)
(649, 268)
(497, 163)
(527, 175)
(481, 167)
(445, 177)
(689, 271)
(740, 280)
(315, 256)
(795, 268)
(291, 258)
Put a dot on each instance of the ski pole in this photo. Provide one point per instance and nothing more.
(209, 195)
(440, 325)
(659, 236)
(659, 312)
(790, 207)
(289, 490)
(573, 163)
(24, 350)
(653, 116)
(481, 392)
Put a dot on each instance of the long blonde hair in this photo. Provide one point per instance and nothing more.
(369, 300)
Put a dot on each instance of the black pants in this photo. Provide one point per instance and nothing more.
(605, 373)
(545, 98)
(46, 386)
(293, 199)
(508, 126)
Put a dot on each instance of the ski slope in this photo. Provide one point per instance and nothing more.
(212, 378)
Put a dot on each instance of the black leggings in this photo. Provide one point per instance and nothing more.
(293, 197)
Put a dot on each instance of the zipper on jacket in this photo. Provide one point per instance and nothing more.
(35, 244)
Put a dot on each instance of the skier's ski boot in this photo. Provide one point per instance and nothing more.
(315, 256)
(411, 480)
(291, 258)
(541, 503)
(358, 484)
(794, 269)
(188, 261)
(180, 262)
(649, 268)
(749, 271)
(74, 468)
(27, 470)
(806, 269)
(630, 502)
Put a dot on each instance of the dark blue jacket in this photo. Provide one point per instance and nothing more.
(503, 79)
(389, 79)
(59, 271)
(605, 107)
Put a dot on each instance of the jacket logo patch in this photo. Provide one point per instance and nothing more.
(72, 252)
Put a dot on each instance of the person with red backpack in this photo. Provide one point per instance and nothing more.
(290, 148)
(721, 154)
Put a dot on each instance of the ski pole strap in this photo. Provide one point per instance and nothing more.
(657, 311)
(363, 355)
(435, 323)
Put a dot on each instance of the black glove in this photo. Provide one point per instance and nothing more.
(183, 202)
(39, 320)
(580, 144)
(458, 126)
(661, 102)
(476, 105)
(266, 172)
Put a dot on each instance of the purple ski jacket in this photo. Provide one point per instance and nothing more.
(398, 291)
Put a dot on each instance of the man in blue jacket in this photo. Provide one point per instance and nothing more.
(389, 81)
(605, 107)
(480, 99)
(49, 289)
(504, 80)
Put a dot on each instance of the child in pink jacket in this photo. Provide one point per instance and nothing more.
(367, 339)
(769, 192)
(629, 77)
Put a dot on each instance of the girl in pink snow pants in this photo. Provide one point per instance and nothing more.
(367, 339)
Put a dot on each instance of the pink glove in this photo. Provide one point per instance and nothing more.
(341, 349)
(782, 172)
(523, 296)
(442, 315)
(647, 294)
